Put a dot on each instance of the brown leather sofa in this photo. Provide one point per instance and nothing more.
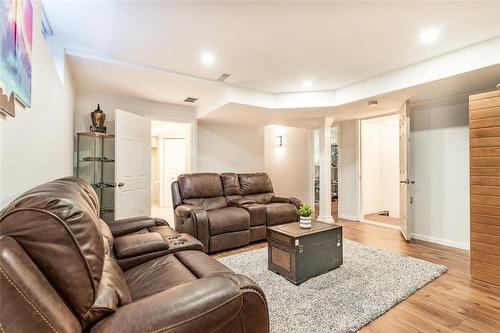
(58, 273)
(229, 210)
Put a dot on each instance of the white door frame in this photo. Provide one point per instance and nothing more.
(193, 142)
(361, 216)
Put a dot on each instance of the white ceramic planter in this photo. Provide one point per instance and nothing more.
(305, 222)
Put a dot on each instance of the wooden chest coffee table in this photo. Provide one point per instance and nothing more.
(299, 254)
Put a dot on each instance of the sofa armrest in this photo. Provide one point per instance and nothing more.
(194, 221)
(136, 245)
(241, 201)
(160, 222)
(291, 200)
(132, 224)
(184, 211)
(203, 305)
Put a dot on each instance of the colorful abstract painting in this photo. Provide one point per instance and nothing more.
(24, 33)
(16, 19)
(8, 67)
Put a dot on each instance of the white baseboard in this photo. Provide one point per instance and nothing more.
(348, 217)
(441, 241)
(380, 224)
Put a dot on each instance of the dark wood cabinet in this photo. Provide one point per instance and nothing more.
(299, 254)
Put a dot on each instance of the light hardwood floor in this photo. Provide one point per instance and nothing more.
(451, 303)
(382, 219)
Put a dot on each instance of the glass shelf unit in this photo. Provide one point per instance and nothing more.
(95, 164)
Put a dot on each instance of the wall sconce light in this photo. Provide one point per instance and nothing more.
(279, 140)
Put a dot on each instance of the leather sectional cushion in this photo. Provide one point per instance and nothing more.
(257, 214)
(230, 183)
(207, 203)
(200, 185)
(252, 183)
(139, 244)
(241, 201)
(261, 198)
(57, 225)
(258, 233)
(201, 265)
(229, 240)
(157, 275)
(228, 219)
(279, 213)
(129, 225)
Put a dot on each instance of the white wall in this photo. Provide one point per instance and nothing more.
(228, 148)
(380, 165)
(36, 146)
(290, 166)
(371, 167)
(85, 103)
(349, 171)
(389, 168)
(439, 164)
(440, 168)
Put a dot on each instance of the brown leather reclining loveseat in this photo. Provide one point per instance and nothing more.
(58, 273)
(229, 210)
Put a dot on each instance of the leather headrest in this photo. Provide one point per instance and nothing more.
(253, 183)
(57, 225)
(200, 185)
(230, 183)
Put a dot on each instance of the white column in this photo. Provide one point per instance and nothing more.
(325, 161)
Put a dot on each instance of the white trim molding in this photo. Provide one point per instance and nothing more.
(441, 241)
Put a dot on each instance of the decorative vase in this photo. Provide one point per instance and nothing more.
(98, 117)
(305, 222)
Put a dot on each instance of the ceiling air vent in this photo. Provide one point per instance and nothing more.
(190, 99)
(223, 77)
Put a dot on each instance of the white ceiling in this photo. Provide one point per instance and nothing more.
(456, 89)
(266, 46)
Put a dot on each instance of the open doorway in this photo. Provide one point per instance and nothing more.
(380, 170)
(334, 167)
(170, 157)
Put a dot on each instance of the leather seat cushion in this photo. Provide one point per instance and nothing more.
(261, 198)
(258, 233)
(207, 203)
(257, 214)
(279, 213)
(228, 219)
(229, 240)
(201, 265)
(157, 275)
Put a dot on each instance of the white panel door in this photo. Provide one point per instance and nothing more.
(404, 181)
(132, 165)
(174, 164)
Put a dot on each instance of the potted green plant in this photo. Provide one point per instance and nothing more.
(305, 212)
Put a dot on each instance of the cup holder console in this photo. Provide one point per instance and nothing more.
(173, 237)
(178, 242)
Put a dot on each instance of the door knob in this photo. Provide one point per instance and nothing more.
(407, 181)
(120, 184)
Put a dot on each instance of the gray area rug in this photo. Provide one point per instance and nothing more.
(370, 282)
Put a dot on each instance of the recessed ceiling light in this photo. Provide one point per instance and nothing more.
(208, 58)
(307, 83)
(429, 35)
